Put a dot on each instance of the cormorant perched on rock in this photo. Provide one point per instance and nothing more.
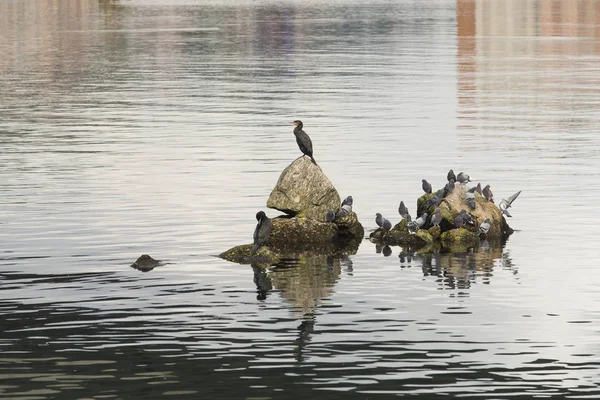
(303, 141)
(262, 231)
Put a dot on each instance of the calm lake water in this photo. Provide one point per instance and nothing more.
(160, 127)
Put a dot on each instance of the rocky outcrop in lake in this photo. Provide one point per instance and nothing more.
(446, 233)
(305, 194)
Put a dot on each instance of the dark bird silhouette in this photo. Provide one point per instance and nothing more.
(436, 218)
(303, 141)
(487, 193)
(330, 216)
(379, 220)
(434, 201)
(387, 225)
(426, 186)
(451, 176)
(478, 189)
(402, 210)
(466, 217)
(448, 188)
(458, 221)
(262, 231)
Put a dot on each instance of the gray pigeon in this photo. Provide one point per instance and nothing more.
(348, 200)
(466, 217)
(408, 219)
(437, 217)
(471, 200)
(487, 193)
(458, 221)
(451, 176)
(379, 220)
(330, 216)
(434, 201)
(387, 225)
(426, 186)
(418, 223)
(506, 203)
(485, 227)
(262, 232)
(476, 189)
(402, 210)
(448, 188)
(345, 210)
(463, 178)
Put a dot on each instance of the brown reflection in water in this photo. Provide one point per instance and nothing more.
(460, 270)
(305, 285)
(529, 56)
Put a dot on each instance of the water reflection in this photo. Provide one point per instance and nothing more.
(125, 130)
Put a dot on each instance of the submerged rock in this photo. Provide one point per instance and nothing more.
(303, 189)
(145, 263)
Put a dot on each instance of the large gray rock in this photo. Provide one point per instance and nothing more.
(304, 190)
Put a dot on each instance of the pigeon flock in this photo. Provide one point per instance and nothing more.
(462, 219)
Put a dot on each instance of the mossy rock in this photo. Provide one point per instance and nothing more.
(451, 206)
(457, 239)
(434, 232)
(397, 236)
(266, 256)
(349, 228)
(243, 255)
(302, 237)
(424, 236)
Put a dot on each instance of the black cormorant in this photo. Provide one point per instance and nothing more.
(303, 141)
(262, 231)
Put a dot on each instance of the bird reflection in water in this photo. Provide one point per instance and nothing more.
(304, 282)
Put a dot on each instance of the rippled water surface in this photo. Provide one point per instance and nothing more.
(160, 127)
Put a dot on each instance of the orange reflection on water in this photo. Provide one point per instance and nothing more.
(524, 64)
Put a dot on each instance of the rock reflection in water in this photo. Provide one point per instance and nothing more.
(303, 283)
(459, 270)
